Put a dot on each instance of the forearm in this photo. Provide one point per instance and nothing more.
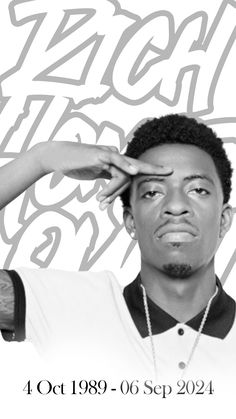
(6, 302)
(21, 173)
(15, 178)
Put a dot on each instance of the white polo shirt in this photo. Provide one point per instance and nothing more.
(87, 323)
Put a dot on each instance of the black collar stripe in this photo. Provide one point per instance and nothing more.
(219, 321)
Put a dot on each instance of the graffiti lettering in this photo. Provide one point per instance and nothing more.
(81, 54)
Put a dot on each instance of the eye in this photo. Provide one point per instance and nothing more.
(152, 194)
(200, 191)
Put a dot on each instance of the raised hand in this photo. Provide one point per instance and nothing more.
(80, 161)
(89, 162)
(121, 180)
(85, 162)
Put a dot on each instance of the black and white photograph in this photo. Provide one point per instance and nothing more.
(117, 202)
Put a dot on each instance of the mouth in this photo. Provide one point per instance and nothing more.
(177, 233)
(177, 237)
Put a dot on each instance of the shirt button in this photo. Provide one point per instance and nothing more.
(182, 365)
(180, 331)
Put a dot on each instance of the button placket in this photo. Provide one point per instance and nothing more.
(181, 331)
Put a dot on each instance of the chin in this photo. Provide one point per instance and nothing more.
(178, 270)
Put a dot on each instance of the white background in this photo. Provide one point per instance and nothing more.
(45, 226)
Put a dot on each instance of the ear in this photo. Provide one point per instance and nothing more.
(226, 220)
(129, 222)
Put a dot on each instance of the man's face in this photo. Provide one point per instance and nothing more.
(178, 219)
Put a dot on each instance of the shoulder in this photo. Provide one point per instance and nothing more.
(65, 281)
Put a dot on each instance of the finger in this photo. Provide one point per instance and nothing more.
(120, 162)
(113, 192)
(115, 149)
(109, 199)
(118, 192)
(147, 168)
(110, 147)
(115, 184)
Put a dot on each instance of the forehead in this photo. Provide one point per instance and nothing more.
(182, 158)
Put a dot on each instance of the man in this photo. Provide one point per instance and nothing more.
(174, 319)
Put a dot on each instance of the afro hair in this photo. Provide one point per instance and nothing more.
(180, 129)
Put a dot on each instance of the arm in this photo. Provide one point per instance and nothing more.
(84, 162)
(15, 177)
(80, 161)
(20, 174)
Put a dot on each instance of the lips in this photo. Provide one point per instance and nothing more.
(181, 232)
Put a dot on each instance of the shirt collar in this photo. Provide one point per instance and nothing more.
(219, 320)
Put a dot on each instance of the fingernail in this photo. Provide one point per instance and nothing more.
(103, 205)
(133, 169)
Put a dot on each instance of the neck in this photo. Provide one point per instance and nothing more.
(181, 298)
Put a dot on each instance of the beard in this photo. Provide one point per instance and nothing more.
(175, 270)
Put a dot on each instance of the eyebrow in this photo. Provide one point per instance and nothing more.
(159, 179)
(150, 178)
(199, 176)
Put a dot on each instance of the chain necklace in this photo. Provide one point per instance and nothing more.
(196, 341)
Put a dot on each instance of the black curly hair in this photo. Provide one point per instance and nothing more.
(180, 129)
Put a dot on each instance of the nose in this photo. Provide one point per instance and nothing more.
(176, 204)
